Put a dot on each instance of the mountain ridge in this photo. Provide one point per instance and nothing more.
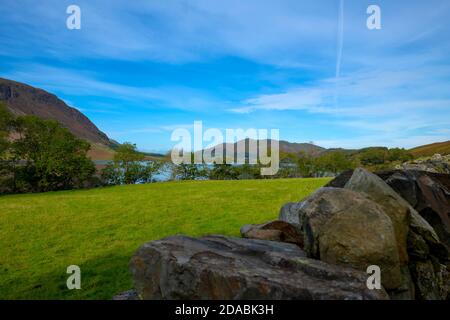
(23, 99)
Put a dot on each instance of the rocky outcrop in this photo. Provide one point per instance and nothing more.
(395, 220)
(393, 205)
(274, 231)
(428, 193)
(429, 238)
(434, 164)
(343, 227)
(219, 267)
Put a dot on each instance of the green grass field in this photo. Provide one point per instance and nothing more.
(99, 229)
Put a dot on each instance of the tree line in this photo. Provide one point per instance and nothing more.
(299, 165)
(39, 155)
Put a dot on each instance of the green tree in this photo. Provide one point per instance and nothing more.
(399, 154)
(149, 170)
(307, 165)
(128, 159)
(334, 162)
(129, 167)
(189, 171)
(112, 174)
(48, 157)
(6, 122)
(373, 156)
(222, 172)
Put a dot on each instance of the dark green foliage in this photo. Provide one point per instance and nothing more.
(373, 156)
(6, 121)
(112, 174)
(222, 172)
(307, 165)
(397, 154)
(189, 172)
(53, 157)
(42, 156)
(237, 172)
(382, 158)
(129, 167)
(334, 162)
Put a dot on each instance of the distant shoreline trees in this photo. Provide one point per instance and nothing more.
(130, 167)
(299, 165)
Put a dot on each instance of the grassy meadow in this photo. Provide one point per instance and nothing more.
(99, 229)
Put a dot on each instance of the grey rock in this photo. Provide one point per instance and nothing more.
(277, 230)
(127, 295)
(340, 180)
(219, 267)
(398, 210)
(428, 193)
(427, 280)
(344, 227)
(289, 213)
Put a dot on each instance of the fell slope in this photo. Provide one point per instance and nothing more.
(428, 150)
(22, 99)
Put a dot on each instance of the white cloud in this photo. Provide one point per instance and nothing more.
(288, 32)
(82, 83)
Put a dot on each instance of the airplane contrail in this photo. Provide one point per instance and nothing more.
(340, 40)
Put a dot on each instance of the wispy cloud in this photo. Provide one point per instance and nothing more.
(79, 83)
(387, 85)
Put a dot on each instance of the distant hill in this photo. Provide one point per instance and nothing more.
(284, 147)
(442, 148)
(22, 99)
(428, 150)
(294, 147)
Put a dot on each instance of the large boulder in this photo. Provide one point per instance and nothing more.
(344, 227)
(274, 231)
(340, 180)
(431, 279)
(428, 193)
(219, 267)
(398, 210)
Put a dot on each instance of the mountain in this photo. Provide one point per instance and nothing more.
(22, 99)
(284, 146)
(428, 150)
(294, 147)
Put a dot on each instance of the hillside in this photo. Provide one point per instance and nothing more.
(22, 99)
(428, 150)
(294, 147)
(285, 147)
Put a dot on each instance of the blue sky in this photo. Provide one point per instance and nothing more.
(140, 69)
